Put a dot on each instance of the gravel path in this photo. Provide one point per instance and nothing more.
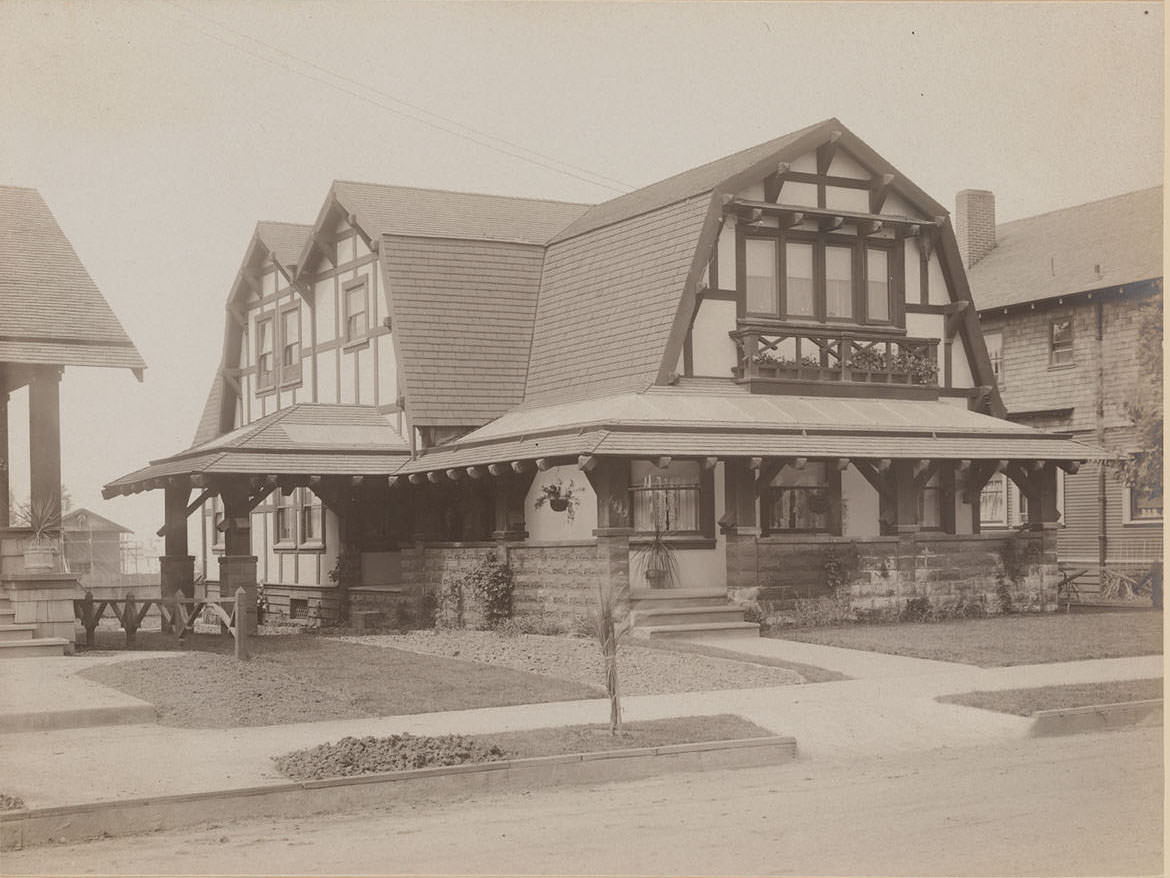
(642, 670)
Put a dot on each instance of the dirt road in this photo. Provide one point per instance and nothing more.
(1088, 804)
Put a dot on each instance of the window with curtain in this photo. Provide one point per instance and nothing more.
(290, 350)
(799, 499)
(666, 500)
(286, 519)
(265, 364)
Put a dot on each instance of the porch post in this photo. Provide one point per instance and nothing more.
(1043, 512)
(176, 567)
(44, 435)
(237, 566)
(610, 480)
(5, 496)
(905, 506)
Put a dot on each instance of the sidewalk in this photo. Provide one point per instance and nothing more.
(888, 708)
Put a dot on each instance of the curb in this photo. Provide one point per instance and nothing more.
(1096, 717)
(84, 717)
(71, 823)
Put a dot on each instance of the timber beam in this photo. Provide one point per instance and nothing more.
(826, 152)
(879, 189)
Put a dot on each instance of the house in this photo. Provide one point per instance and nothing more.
(765, 359)
(1061, 297)
(52, 316)
(91, 543)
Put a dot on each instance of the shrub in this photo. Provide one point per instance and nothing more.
(539, 623)
(917, 610)
(489, 586)
(369, 755)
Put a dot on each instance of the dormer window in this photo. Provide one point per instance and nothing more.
(818, 276)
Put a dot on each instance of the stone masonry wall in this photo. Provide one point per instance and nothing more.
(771, 574)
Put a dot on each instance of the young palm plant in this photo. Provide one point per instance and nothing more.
(610, 629)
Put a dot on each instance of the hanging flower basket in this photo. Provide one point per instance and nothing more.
(558, 504)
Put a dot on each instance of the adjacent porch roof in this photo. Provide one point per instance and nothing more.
(305, 439)
(721, 421)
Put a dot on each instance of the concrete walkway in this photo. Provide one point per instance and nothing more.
(890, 708)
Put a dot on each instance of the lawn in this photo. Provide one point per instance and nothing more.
(1001, 640)
(303, 678)
(1025, 702)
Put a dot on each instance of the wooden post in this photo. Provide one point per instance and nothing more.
(130, 619)
(44, 435)
(905, 507)
(243, 612)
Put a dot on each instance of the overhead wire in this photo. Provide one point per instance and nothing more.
(444, 124)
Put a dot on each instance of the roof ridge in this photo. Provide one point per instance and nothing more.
(465, 192)
(1095, 201)
(21, 188)
(307, 226)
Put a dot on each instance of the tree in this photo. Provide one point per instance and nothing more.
(1142, 471)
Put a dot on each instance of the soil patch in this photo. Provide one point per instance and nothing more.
(1001, 640)
(370, 755)
(1025, 702)
(642, 670)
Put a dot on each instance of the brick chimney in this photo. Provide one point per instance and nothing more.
(975, 224)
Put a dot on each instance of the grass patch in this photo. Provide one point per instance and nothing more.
(811, 673)
(298, 678)
(370, 755)
(1025, 702)
(1001, 640)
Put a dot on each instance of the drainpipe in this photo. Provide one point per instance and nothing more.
(1102, 538)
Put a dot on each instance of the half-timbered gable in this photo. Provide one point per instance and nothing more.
(753, 360)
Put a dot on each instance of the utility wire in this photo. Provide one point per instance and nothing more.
(476, 136)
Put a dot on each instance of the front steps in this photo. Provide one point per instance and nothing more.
(20, 640)
(687, 612)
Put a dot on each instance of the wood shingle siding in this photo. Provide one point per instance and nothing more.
(608, 299)
(462, 315)
(51, 311)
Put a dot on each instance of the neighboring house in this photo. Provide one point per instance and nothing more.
(92, 543)
(762, 358)
(52, 316)
(1060, 298)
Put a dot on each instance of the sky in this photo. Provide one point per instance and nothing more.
(160, 132)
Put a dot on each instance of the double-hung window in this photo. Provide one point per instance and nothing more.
(290, 346)
(357, 321)
(299, 520)
(265, 362)
(1060, 341)
(812, 276)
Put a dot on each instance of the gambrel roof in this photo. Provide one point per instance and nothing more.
(52, 311)
(1092, 246)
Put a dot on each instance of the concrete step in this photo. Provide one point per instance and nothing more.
(686, 615)
(7, 617)
(10, 632)
(38, 647)
(654, 598)
(700, 629)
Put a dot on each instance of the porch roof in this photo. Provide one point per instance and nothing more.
(304, 439)
(721, 421)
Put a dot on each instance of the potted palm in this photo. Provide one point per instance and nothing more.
(43, 518)
(656, 560)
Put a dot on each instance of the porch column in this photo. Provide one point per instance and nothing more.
(237, 566)
(1043, 511)
(5, 495)
(176, 567)
(508, 495)
(44, 436)
(905, 498)
(611, 482)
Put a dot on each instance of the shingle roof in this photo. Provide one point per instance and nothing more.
(714, 174)
(307, 438)
(51, 311)
(462, 314)
(432, 213)
(738, 424)
(285, 241)
(82, 519)
(608, 299)
(1055, 254)
(210, 422)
